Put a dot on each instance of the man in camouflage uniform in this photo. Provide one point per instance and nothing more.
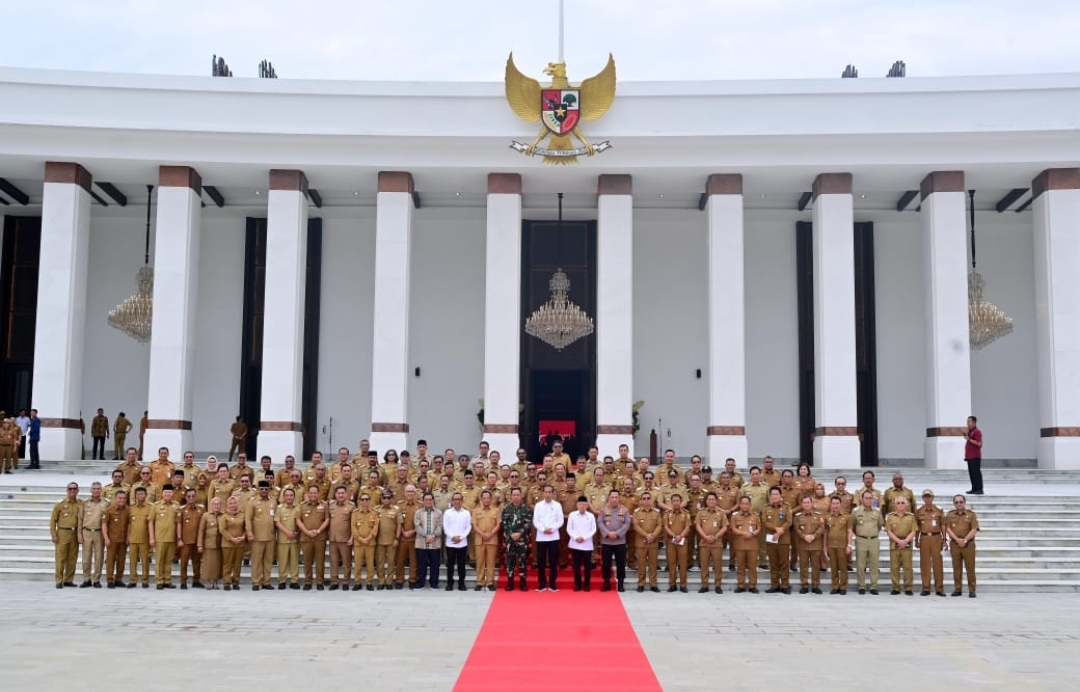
(516, 524)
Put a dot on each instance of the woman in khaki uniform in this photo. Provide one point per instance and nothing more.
(9, 440)
(210, 545)
(233, 538)
(821, 501)
(804, 482)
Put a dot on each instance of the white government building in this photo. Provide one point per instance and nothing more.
(774, 267)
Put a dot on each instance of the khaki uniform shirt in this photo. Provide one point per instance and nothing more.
(773, 518)
(648, 522)
(867, 522)
(737, 480)
(770, 478)
(340, 522)
(222, 490)
(67, 515)
(131, 472)
(847, 500)
(209, 532)
(889, 499)
(389, 519)
(244, 497)
(153, 491)
(259, 519)
(758, 494)
(288, 517)
(115, 523)
(190, 518)
(487, 520)
(745, 522)
(443, 498)
(836, 530)
(92, 513)
(805, 524)
(236, 471)
(711, 521)
(161, 472)
(930, 519)
(677, 522)
(962, 524)
(139, 531)
(312, 516)
(165, 515)
(901, 527)
(231, 526)
(408, 512)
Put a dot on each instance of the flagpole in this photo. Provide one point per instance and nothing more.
(561, 31)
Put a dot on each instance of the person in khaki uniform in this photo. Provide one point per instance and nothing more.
(222, 486)
(121, 427)
(727, 499)
(758, 492)
(115, 523)
(238, 433)
(208, 545)
(406, 547)
(769, 475)
(164, 532)
(930, 542)
(93, 545)
(776, 521)
(809, 530)
(902, 529)
(259, 525)
(286, 519)
(391, 524)
(231, 526)
(677, 526)
(117, 486)
(340, 535)
(838, 537)
(161, 469)
(130, 467)
(241, 469)
(144, 423)
(99, 430)
(711, 525)
(897, 489)
(868, 523)
(847, 500)
(138, 539)
(648, 526)
(314, 519)
(962, 525)
(364, 525)
(65, 526)
(745, 525)
(190, 519)
(487, 521)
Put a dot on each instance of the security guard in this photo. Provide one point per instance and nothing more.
(931, 543)
(962, 525)
(65, 525)
(902, 529)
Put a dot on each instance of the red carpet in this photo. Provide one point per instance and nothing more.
(564, 641)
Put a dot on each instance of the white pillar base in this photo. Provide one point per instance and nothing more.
(278, 444)
(382, 441)
(59, 444)
(178, 442)
(722, 447)
(609, 444)
(1059, 453)
(946, 452)
(837, 452)
(506, 444)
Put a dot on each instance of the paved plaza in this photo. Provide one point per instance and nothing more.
(420, 640)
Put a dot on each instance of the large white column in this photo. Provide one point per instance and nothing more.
(948, 356)
(61, 308)
(283, 316)
(1056, 208)
(390, 354)
(502, 313)
(836, 441)
(172, 342)
(727, 321)
(614, 314)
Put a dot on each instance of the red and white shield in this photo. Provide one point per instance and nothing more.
(560, 109)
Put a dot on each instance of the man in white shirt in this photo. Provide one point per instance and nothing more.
(581, 528)
(457, 523)
(547, 520)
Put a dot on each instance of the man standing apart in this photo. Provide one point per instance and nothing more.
(238, 430)
(547, 519)
(34, 436)
(457, 524)
(429, 531)
(516, 523)
(99, 430)
(121, 428)
(973, 455)
(65, 525)
(93, 547)
(614, 521)
(962, 525)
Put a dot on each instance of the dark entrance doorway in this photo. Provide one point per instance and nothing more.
(558, 386)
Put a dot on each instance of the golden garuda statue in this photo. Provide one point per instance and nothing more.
(561, 108)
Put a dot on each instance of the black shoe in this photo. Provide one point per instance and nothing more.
(804, 590)
(132, 585)
(307, 587)
(940, 593)
(334, 587)
(754, 590)
(281, 586)
(319, 587)
(255, 587)
(449, 587)
(161, 587)
(110, 585)
(682, 589)
(772, 589)
(786, 590)
(170, 586)
(399, 585)
(834, 592)
(873, 592)
(478, 588)
(523, 587)
(972, 594)
(59, 586)
(703, 589)
(228, 588)
(641, 589)
(740, 590)
(491, 587)
(607, 587)
(794, 570)
(842, 592)
(97, 585)
(370, 587)
(958, 593)
(510, 585)
(197, 585)
(976, 492)
(862, 592)
(85, 585)
(894, 592)
(620, 588)
(183, 587)
(355, 587)
(672, 589)
(731, 568)
(719, 590)
(294, 586)
(588, 588)
(816, 590)
(924, 593)
(909, 593)
(146, 585)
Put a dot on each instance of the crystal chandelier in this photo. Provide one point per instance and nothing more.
(134, 315)
(559, 322)
(986, 322)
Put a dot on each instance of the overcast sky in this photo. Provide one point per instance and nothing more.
(468, 40)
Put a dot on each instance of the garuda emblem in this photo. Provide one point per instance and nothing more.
(561, 108)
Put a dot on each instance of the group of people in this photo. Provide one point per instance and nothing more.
(384, 524)
(16, 435)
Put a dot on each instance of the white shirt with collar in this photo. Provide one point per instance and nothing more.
(457, 522)
(581, 525)
(547, 514)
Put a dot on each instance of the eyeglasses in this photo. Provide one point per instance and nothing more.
(958, 502)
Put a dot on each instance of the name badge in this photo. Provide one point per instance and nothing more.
(271, 512)
(933, 522)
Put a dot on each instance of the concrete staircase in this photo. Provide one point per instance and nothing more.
(1030, 538)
